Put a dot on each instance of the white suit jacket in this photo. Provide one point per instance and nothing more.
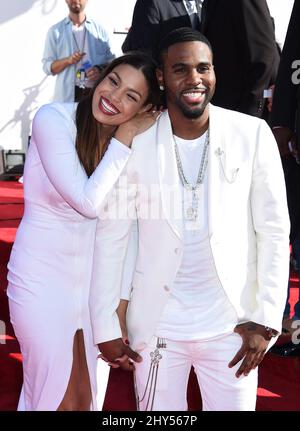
(248, 228)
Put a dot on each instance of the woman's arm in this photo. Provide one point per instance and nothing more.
(54, 133)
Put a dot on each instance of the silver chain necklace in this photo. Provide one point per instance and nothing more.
(191, 212)
(84, 37)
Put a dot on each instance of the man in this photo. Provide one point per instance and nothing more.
(153, 19)
(286, 128)
(76, 49)
(209, 278)
(242, 36)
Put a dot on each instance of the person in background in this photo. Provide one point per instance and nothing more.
(211, 265)
(153, 19)
(285, 120)
(77, 153)
(76, 50)
(242, 36)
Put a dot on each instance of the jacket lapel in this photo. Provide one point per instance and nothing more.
(180, 8)
(216, 146)
(169, 180)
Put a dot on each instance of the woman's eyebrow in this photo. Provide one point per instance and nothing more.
(130, 89)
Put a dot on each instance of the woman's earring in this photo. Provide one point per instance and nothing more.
(161, 87)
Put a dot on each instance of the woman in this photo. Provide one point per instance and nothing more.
(70, 169)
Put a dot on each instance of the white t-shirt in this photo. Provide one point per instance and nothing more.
(81, 44)
(198, 307)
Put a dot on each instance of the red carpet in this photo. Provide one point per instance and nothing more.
(279, 378)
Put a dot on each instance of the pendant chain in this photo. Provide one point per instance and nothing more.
(202, 168)
(191, 209)
(83, 43)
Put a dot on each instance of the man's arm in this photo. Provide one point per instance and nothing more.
(111, 245)
(57, 66)
(52, 65)
(272, 228)
(144, 31)
(261, 56)
(50, 51)
(271, 225)
(100, 50)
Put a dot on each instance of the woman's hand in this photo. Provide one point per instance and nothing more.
(138, 124)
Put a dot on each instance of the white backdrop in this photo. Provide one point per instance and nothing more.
(24, 86)
(23, 27)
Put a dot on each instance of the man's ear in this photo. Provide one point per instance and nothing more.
(160, 78)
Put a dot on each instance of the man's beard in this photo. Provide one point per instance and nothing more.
(75, 9)
(192, 113)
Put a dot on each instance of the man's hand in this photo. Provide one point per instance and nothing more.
(253, 349)
(93, 74)
(75, 57)
(119, 354)
(59, 65)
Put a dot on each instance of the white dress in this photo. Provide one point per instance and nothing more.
(51, 261)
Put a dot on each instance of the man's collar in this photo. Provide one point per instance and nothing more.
(69, 21)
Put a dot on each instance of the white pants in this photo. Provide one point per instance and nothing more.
(220, 389)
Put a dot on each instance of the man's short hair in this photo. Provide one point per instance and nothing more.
(179, 35)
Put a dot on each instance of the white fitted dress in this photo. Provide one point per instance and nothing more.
(51, 261)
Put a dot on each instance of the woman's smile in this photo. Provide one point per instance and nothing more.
(106, 107)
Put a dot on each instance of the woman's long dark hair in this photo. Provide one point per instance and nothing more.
(88, 129)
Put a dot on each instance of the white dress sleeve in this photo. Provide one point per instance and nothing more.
(129, 264)
(54, 133)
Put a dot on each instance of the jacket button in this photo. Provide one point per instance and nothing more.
(167, 289)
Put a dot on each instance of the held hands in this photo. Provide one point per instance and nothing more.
(138, 124)
(253, 349)
(118, 354)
